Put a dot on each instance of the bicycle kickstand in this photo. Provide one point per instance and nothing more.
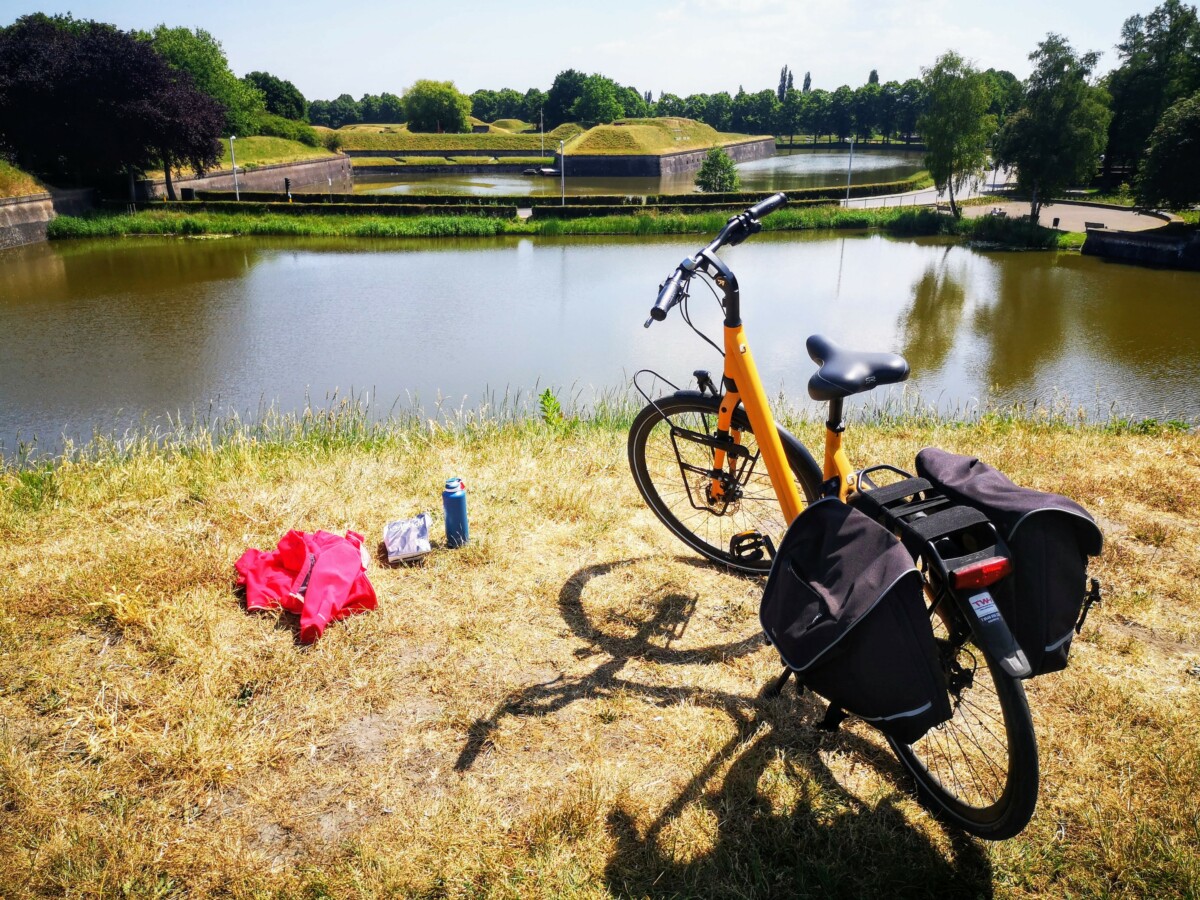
(775, 687)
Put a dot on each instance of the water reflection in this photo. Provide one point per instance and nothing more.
(929, 326)
(788, 170)
(102, 333)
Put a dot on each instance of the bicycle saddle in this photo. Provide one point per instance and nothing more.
(845, 372)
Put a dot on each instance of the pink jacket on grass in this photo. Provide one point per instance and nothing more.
(319, 576)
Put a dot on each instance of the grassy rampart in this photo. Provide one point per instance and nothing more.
(651, 137)
(266, 151)
(16, 183)
(568, 707)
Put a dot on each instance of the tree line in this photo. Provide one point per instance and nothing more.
(164, 98)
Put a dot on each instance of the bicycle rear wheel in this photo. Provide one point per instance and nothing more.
(979, 770)
(672, 467)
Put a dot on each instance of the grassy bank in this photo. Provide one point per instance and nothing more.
(15, 183)
(266, 151)
(652, 137)
(566, 708)
(905, 222)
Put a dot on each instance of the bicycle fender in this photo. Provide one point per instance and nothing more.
(993, 632)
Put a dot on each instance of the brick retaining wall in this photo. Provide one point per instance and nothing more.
(307, 173)
(644, 166)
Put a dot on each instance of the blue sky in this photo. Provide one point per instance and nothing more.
(682, 46)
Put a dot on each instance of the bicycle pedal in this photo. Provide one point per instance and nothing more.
(751, 546)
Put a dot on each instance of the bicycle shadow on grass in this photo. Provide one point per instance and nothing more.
(667, 625)
(828, 843)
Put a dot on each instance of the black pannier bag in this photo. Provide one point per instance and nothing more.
(844, 606)
(1050, 539)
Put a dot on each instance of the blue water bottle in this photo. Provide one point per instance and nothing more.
(454, 505)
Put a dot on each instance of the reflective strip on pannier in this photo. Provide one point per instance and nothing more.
(844, 606)
(1050, 538)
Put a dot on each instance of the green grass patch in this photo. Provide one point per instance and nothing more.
(156, 222)
(366, 162)
(400, 141)
(16, 183)
(650, 137)
(267, 151)
(256, 220)
(514, 125)
(1191, 216)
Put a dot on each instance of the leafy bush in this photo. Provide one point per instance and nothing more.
(277, 126)
(717, 173)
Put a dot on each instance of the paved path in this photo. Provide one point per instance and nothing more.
(1071, 216)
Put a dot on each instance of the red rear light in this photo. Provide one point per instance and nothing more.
(982, 573)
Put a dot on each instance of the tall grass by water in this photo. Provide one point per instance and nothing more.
(568, 707)
(905, 222)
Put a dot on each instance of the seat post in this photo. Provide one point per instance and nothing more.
(837, 466)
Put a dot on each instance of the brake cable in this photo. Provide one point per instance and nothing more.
(683, 310)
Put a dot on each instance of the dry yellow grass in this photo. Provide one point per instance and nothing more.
(567, 707)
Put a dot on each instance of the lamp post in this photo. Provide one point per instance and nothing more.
(542, 131)
(233, 158)
(562, 170)
(849, 171)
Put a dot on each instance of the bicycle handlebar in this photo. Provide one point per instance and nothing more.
(765, 207)
(668, 296)
(736, 230)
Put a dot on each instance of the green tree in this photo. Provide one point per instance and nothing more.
(437, 106)
(597, 101)
(718, 111)
(889, 109)
(815, 116)
(909, 107)
(282, 98)
(1004, 92)
(717, 173)
(83, 102)
(1160, 64)
(1054, 140)
(670, 105)
(873, 78)
(483, 105)
(791, 113)
(867, 102)
(807, 82)
(1169, 175)
(841, 112)
(200, 55)
(565, 90)
(344, 110)
(533, 104)
(955, 125)
(633, 102)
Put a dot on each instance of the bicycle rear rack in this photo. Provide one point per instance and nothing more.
(951, 538)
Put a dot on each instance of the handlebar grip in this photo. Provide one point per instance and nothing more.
(764, 207)
(667, 297)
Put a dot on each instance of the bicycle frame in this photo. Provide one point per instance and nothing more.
(743, 385)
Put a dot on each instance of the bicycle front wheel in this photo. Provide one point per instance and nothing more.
(671, 455)
(979, 769)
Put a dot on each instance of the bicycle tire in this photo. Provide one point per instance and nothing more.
(956, 765)
(673, 494)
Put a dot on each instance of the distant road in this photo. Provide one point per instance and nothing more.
(1071, 216)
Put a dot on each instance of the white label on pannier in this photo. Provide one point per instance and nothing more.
(985, 607)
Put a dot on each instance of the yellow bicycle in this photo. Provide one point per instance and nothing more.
(717, 470)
